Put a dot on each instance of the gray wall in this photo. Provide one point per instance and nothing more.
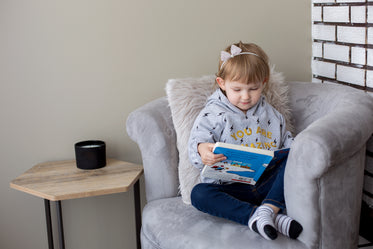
(74, 70)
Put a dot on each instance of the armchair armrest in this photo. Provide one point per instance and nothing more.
(324, 173)
(150, 126)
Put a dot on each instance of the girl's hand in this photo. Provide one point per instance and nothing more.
(207, 156)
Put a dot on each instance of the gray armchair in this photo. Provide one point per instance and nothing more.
(323, 178)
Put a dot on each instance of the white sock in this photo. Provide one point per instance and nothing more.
(288, 226)
(262, 222)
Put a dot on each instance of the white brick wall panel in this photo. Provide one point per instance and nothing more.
(370, 57)
(316, 14)
(351, 34)
(370, 14)
(358, 55)
(346, 36)
(322, 68)
(336, 14)
(368, 200)
(350, 1)
(370, 35)
(368, 183)
(358, 14)
(351, 75)
(337, 52)
(323, 1)
(317, 49)
(369, 164)
(370, 78)
(329, 82)
(323, 32)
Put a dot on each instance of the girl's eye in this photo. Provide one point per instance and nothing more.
(236, 90)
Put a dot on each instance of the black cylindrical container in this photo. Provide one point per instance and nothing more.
(90, 154)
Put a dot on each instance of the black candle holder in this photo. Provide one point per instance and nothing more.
(90, 154)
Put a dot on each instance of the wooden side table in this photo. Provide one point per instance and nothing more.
(62, 180)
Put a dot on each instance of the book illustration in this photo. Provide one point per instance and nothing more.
(243, 164)
(226, 172)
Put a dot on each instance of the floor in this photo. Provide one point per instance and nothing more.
(363, 241)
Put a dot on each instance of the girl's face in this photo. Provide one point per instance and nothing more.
(242, 95)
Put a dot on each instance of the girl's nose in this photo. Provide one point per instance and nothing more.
(245, 95)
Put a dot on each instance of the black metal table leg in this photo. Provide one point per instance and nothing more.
(49, 223)
(136, 189)
(60, 225)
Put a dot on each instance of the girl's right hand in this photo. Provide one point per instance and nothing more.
(207, 156)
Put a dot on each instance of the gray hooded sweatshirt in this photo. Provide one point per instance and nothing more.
(220, 121)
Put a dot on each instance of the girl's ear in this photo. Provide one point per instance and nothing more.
(221, 83)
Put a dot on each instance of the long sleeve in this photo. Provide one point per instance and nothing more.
(207, 128)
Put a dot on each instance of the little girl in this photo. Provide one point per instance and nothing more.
(237, 113)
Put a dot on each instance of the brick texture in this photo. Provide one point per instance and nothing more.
(342, 33)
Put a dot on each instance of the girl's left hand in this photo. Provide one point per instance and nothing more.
(208, 157)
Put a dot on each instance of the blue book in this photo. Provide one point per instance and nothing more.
(243, 164)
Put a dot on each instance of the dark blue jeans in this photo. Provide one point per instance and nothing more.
(238, 201)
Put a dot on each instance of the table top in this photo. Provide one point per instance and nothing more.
(62, 180)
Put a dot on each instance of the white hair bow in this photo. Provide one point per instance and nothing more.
(225, 56)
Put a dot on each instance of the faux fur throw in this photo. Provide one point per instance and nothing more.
(188, 96)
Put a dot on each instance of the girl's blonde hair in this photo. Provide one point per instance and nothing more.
(245, 67)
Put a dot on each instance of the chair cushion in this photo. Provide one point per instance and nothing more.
(172, 224)
(188, 96)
